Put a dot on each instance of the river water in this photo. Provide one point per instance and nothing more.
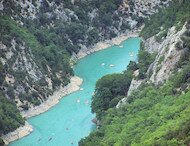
(70, 120)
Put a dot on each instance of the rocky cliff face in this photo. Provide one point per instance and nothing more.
(23, 77)
(169, 52)
(161, 78)
(29, 75)
(38, 38)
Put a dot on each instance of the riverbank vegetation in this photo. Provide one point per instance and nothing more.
(47, 42)
(10, 117)
(37, 41)
(144, 60)
(175, 15)
(153, 114)
(110, 89)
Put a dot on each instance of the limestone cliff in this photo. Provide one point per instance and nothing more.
(38, 38)
(170, 46)
(27, 54)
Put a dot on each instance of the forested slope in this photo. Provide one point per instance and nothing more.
(156, 113)
(38, 37)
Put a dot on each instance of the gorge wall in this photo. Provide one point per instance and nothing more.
(38, 37)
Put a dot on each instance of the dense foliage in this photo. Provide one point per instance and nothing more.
(176, 14)
(47, 41)
(1, 142)
(152, 117)
(10, 117)
(110, 89)
(153, 114)
(144, 60)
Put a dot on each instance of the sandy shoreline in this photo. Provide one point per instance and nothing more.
(18, 133)
(26, 129)
(105, 44)
(73, 86)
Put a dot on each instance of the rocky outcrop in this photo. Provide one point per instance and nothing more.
(38, 81)
(29, 83)
(73, 86)
(18, 133)
(143, 7)
(134, 85)
(168, 54)
(23, 73)
(22, 131)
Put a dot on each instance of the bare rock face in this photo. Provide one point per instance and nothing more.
(166, 59)
(144, 7)
(134, 85)
(29, 84)
(21, 73)
(168, 54)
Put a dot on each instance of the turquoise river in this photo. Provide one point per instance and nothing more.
(70, 120)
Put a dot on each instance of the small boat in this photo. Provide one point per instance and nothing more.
(50, 139)
(86, 102)
(102, 64)
(81, 89)
(78, 100)
(112, 65)
(121, 46)
(131, 54)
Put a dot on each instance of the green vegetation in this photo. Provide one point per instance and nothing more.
(176, 14)
(154, 114)
(144, 60)
(47, 52)
(110, 89)
(1, 142)
(1, 73)
(152, 117)
(161, 35)
(10, 117)
(49, 41)
(161, 59)
(10, 29)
